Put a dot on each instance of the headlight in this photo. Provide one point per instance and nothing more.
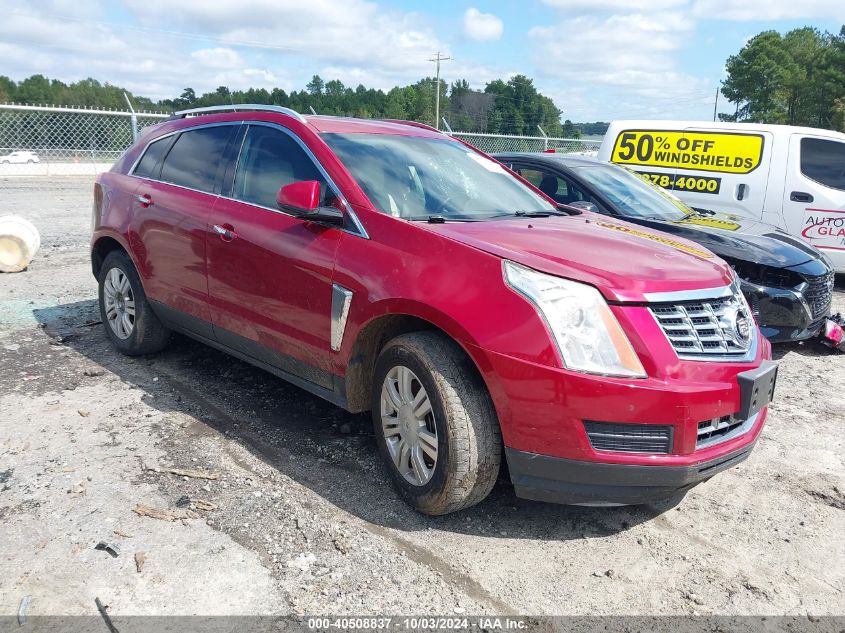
(584, 329)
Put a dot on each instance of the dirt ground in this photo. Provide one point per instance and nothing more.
(304, 519)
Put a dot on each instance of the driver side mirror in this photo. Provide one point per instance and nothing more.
(304, 198)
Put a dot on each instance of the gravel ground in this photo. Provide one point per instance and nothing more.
(302, 518)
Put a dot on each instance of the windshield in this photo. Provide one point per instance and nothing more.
(416, 178)
(631, 194)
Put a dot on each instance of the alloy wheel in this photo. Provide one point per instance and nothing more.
(407, 422)
(119, 303)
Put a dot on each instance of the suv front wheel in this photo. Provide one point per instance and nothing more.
(127, 316)
(435, 423)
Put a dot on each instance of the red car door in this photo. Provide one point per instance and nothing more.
(270, 272)
(181, 181)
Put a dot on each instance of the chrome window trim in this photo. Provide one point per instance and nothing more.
(359, 229)
(132, 173)
(341, 300)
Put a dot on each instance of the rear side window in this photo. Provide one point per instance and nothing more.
(824, 162)
(556, 188)
(271, 159)
(149, 165)
(197, 157)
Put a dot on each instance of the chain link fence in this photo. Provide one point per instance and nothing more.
(492, 143)
(58, 141)
(53, 141)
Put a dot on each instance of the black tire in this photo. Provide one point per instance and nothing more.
(148, 335)
(468, 436)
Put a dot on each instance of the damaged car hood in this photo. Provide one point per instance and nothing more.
(738, 238)
(622, 260)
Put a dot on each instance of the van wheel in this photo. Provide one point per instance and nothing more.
(126, 314)
(435, 424)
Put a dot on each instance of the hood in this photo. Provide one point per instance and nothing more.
(622, 260)
(738, 238)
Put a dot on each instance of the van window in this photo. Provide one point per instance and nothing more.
(824, 162)
(196, 158)
(149, 165)
(271, 159)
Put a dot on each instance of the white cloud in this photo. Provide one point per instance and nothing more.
(616, 5)
(166, 45)
(482, 27)
(619, 63)
(748, 10)
(76, 44)
(610, 49)
(217, 58)
(350, 33)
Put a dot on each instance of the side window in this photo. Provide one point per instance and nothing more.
(531, 175)
(571, 191)
(271, 159)
(556, 188)
(196, 158)
(150, 163)
(824, 162)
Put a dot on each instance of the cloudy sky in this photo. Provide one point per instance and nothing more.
(598, 59)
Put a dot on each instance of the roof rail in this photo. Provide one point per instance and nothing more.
(424, 126)
(240, 107)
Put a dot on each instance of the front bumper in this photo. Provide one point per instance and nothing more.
(574, 437)
(557, 480)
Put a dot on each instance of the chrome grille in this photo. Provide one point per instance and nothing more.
(722, 429)
(819, 294)
(704, 328)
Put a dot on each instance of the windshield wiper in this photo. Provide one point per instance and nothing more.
(538, 214)
(439, 219)
(529, 214)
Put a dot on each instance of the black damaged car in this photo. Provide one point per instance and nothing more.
(788, 283)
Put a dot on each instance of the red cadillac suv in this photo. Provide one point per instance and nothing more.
(387, 267)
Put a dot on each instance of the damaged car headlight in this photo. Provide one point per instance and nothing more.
(584, 329)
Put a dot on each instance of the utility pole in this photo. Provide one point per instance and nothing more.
(437, 58)
(716, 104)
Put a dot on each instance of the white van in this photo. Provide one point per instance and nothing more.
(792, 177)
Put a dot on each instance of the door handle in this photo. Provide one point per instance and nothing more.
(144, 199)
(225, 231)
(800, 196)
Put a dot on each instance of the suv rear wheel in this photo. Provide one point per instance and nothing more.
(126, 314)
(435, 423)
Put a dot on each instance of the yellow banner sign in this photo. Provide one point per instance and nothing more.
(724, 152)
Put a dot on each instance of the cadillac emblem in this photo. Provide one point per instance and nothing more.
(736, 326)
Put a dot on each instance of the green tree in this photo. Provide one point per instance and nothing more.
(793, 79)
(36, 89)
(8, 90)
(315, 86)
(513, 106)
(519, 108)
